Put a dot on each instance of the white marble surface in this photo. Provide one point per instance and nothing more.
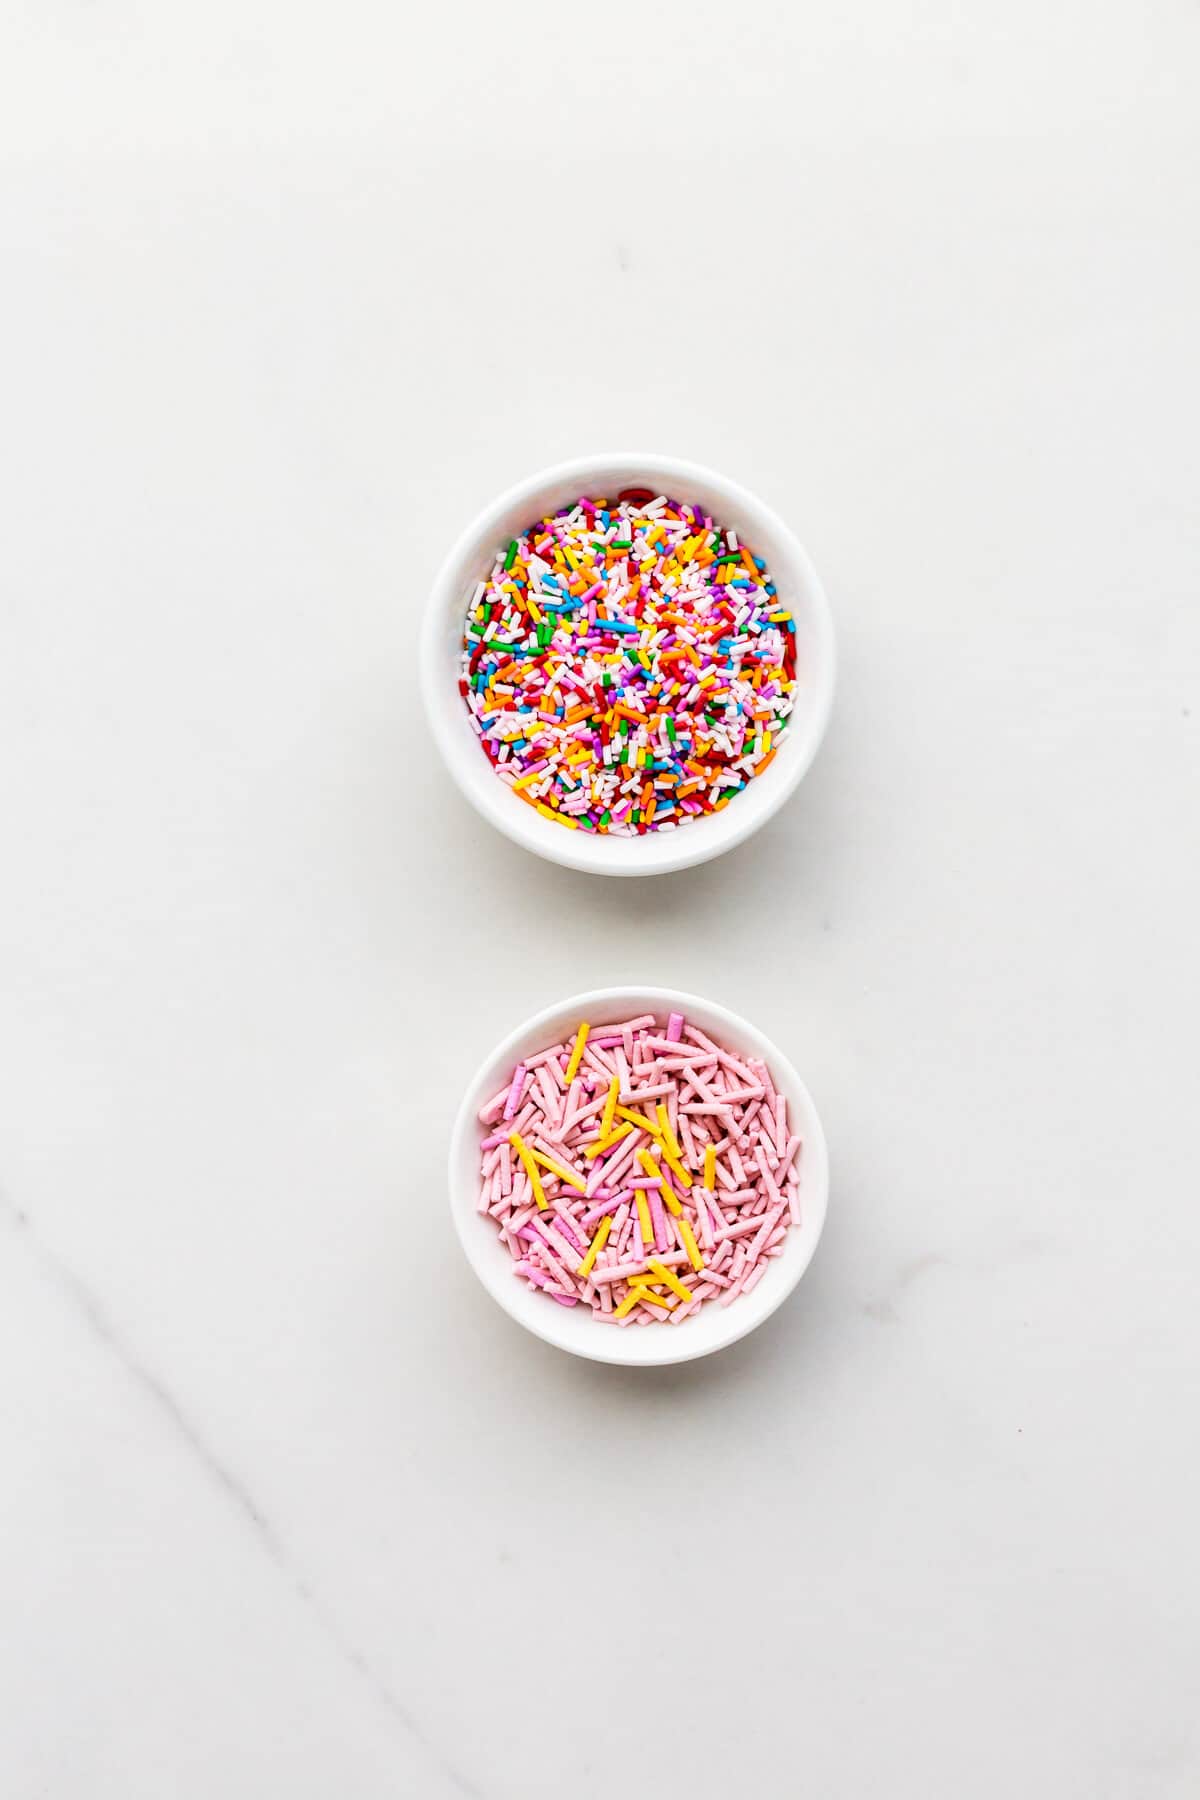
(288, 1507)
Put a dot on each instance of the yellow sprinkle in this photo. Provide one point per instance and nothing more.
(577, 1052)
(558, 818)
(535, 1181)
(640, 1119)
(690, 1245)
(614, 1137)
(669, 1138)
(669, 1278)
(610, 1107)
(559, 1169)
(597, 1244)
(644, 1216)
(652, 1169)
(653, 1300)
(534, 610)
(710, 1168)
(524, 781)
(677, 1169)
(637, 1291)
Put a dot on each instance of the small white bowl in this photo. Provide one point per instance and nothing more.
(574, 1328)
(471, 561)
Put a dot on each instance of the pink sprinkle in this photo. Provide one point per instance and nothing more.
(569, 1233)
(594, 1214)
(514, 1091)
(658, 1219)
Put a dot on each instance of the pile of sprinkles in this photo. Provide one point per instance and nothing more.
(628, 665)
(640, 1170)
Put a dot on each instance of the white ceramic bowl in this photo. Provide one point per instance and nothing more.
(471, 560)
(573, 1328)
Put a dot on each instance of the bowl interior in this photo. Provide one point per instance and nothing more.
(471, 560)
(573, 1328)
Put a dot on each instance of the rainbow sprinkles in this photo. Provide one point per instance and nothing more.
(628, 665)
(641, 1171)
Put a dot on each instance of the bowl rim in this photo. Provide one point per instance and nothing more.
(656, 853)
(474, 1231)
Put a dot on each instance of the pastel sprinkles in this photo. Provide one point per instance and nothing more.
(628, 665)
(641, 1170)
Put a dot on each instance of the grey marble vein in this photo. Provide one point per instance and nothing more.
(91, 1310)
